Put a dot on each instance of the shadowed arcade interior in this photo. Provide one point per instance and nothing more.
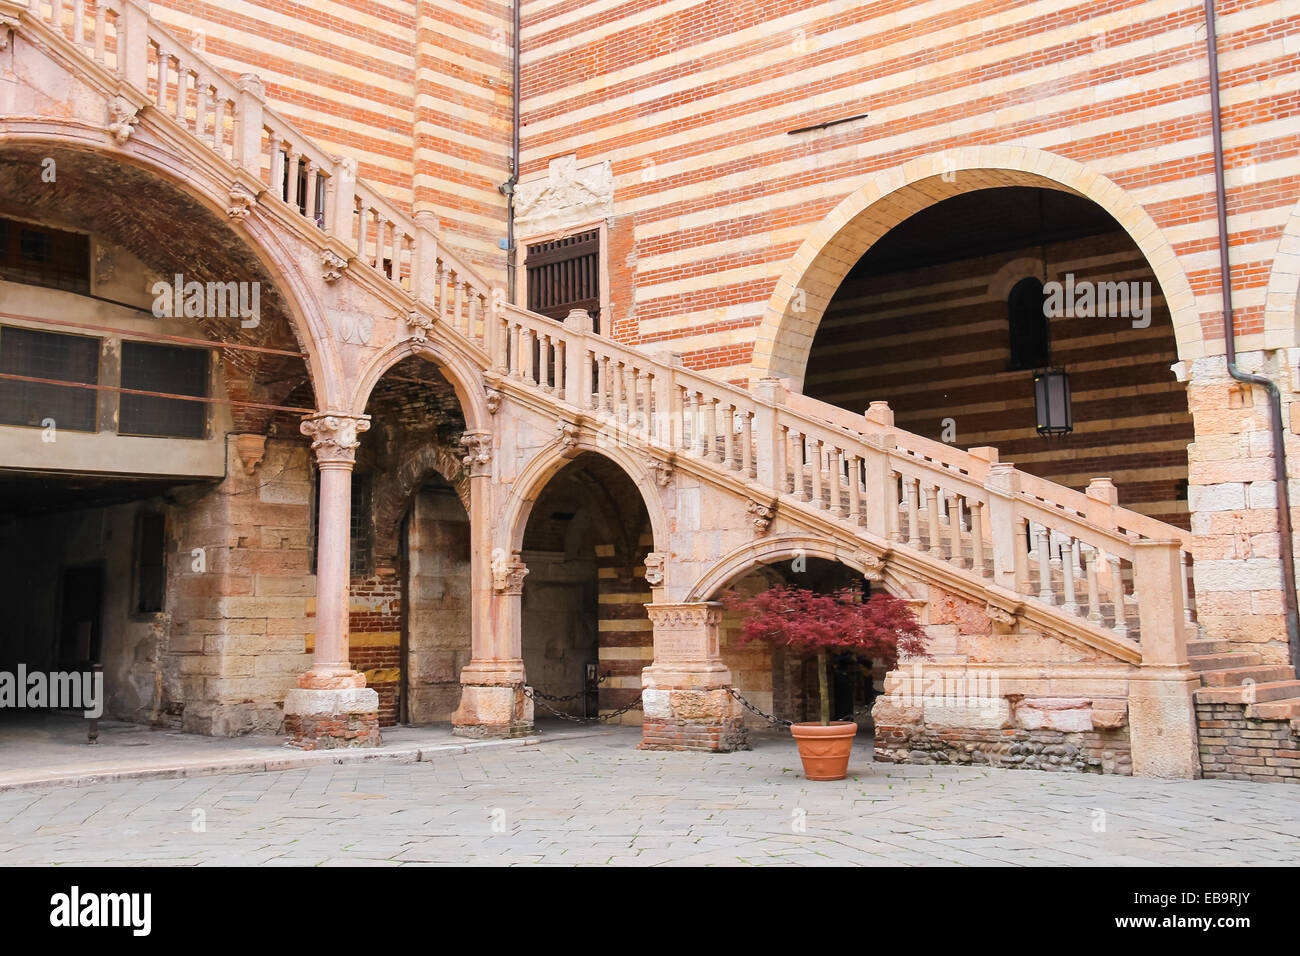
(927, 320)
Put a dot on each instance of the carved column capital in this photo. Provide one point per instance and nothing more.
(684, 617)
(478, 453)
(334, 435)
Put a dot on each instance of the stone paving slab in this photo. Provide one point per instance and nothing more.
(597, 800)
(51, 751)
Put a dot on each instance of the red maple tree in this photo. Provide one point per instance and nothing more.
(811, 623)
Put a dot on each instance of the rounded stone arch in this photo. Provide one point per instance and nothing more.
(767, 551)
(307, 316)
(785, 334)
(533, 478)
(1282, 297)
(465, 378)
(395, 489)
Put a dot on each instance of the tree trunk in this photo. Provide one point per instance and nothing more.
(823, 685)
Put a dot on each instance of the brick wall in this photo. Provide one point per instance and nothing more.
(626, 637)
(1234, 747)
(374, 639)
(342, 71)
(693, 105)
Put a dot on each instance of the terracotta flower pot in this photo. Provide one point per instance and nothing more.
(825, 749)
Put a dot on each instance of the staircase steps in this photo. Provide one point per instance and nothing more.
(1288, 709)
(1266, 691)
(1250, 693)
(1215, 662)
(1236, 676)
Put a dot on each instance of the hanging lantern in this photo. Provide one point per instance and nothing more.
(1052, 403)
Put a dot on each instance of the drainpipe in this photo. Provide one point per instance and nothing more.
(508, 187)
(1285, 546)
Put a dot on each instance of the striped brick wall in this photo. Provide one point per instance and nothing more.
(933, 343)
(693, 102)
(626, 637)
(463, 122)
(343, 71)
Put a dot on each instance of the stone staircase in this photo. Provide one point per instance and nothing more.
(1228, 676)
(1248, 714)
(1062, 561)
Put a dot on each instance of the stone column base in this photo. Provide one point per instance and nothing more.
(317, 719)
(494, 710)
(692, 719)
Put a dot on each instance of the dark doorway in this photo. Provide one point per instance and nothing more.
(79, 633)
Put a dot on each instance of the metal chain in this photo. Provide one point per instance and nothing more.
(540, 698)
(538, 695)
(774, 721)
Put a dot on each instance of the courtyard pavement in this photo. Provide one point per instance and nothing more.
(598, 800)
(41, 749)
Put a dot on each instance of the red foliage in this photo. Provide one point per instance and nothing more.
(808, 622)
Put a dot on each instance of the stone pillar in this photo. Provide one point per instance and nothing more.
(1161, 708)
(331, 706)
(686, 697)
(492, 699)
(1232, 494)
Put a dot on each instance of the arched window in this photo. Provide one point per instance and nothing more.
(1027, 326)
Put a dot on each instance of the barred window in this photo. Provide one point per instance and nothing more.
(564, 274)
(38, 255)
(176, 370)
(49, 355)
(359, 550)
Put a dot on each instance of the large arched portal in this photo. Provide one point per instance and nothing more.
(949, 314)
(583, 614)
(783, 683)
(410, 589)
(154, 484)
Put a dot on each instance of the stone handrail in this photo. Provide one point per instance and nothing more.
(147, 66)
(1079, 554)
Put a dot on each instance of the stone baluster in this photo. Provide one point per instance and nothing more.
(932, 511)
(977, 535)
(1090, 577)
(1117, 596)
(956, 555)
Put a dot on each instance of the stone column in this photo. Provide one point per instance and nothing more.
(492, 699)
(331, 706)
(686, 699)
